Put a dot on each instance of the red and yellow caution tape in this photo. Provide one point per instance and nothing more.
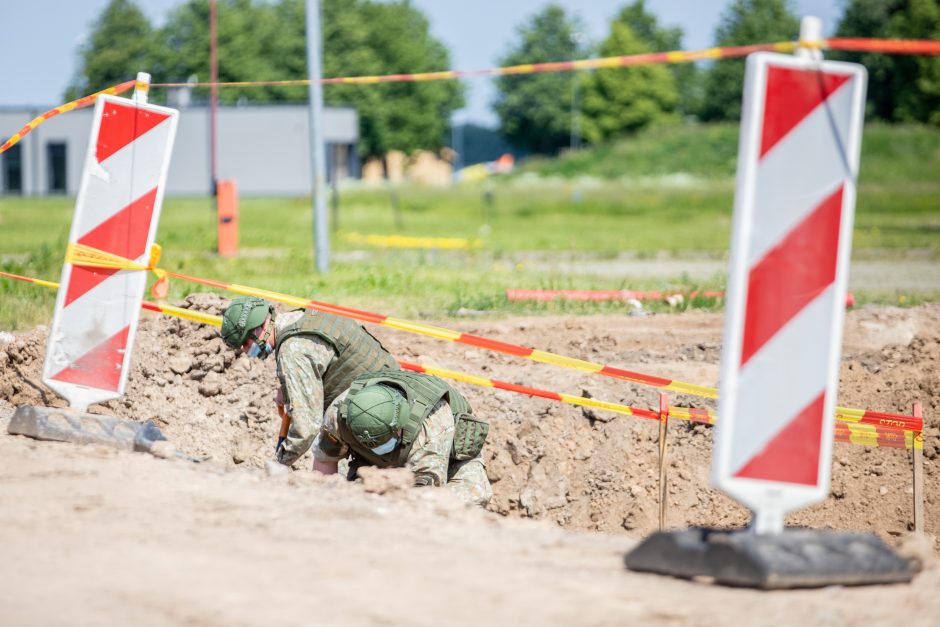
(75, 104)
(927, 47)
(844, 414)
(886, 46)
(460, 338)
(892, 434)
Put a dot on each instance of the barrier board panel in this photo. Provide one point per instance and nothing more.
(117, 210)
(794, 206)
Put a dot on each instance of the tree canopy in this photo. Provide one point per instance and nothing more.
(659, 39)
(743, 22)
(535, 109)
(266, 41)
(121, 44)
(900, 88)
(623, 100)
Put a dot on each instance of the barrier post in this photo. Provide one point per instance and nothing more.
(917, 454)
(798, 157)
(227, 200)
(117, 210)
(663, 429)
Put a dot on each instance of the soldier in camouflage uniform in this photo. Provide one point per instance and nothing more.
(318, 356)
(407, 419)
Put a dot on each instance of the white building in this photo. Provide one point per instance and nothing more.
(265, 148)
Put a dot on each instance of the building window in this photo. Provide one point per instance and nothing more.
(55, 162)
(12, 167)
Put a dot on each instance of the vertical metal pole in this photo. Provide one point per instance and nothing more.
(213, 94)
(317, 149)
(917, 452)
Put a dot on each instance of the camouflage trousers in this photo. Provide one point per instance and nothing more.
(431, 462)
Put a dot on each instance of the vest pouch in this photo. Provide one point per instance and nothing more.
(469, 435)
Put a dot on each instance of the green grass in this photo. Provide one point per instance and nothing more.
(581, 207)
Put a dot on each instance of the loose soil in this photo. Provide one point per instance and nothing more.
(93, 536)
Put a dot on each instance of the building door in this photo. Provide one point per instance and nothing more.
(12, 170)
(55, 167)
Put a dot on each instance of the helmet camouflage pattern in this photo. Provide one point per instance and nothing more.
(243, 314)
(373, 414)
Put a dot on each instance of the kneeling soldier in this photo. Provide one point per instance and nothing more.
(406, 419)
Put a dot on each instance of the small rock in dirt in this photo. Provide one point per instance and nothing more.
(180, 364)
(243, 450)
(883, 490)
(210, 387)
(384, 480)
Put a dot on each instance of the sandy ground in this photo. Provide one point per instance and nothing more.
(97, 536)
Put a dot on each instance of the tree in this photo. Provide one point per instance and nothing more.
(901, 88)
(245, 31)
(744, 22)
(268, 42)
(623, 100)
(535, 109)
(369, 38)
(658, 39)
(120, 45)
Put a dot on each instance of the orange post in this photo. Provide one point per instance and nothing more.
(227, 201)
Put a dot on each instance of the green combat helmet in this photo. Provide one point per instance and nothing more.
(373, 415)
(241, 316)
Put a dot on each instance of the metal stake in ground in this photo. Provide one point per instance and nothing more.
(917, 454)
(663, 429)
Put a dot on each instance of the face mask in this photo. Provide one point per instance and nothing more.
(259, 350)
(388, 447)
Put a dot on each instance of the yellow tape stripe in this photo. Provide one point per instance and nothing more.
(566, 362)
(269, 295)
(458, 376)
(593, 402)
(195, 316)
(691, 388)
(406, 241)
(685, 413)
(423, 329)
(82, 255)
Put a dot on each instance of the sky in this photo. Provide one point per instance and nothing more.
(40, 55)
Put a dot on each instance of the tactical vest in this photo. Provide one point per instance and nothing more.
(357, 351)
(422, 392)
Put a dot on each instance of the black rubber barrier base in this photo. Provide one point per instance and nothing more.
(68, 425)
(795, 558)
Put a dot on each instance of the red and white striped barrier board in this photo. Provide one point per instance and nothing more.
(116, 211)
(794, 205)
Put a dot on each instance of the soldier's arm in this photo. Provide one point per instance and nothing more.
(301, 364)
(328, 448)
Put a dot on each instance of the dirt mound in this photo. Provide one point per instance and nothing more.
(580, 468)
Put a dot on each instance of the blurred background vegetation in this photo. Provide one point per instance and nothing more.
(595, 219)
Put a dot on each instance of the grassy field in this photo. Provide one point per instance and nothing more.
(666, 194)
